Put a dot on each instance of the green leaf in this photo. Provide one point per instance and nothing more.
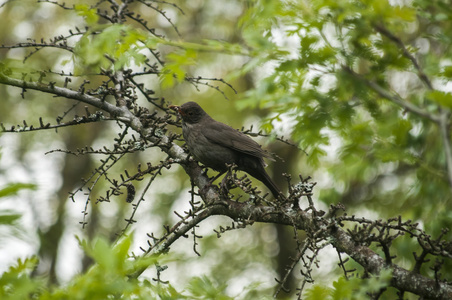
(318, 292)
(174, 70)
(13, 188)
(440, 97)
(344, 289)
(204, 288)
(17, 282)
(90, 14)
(447, 72)
(405, 13)
(111, 48)
(8, 217)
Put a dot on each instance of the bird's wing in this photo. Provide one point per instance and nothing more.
(227, 136)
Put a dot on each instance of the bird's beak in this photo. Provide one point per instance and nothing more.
(175, 108)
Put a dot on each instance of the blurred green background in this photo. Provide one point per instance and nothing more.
(289, 62)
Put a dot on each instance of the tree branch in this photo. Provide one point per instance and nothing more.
(381, 29)
(393, 97)
(120, 113)
(402, 279)
(445, 134)
(441, 119)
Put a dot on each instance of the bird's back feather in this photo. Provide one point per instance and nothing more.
(227, 136)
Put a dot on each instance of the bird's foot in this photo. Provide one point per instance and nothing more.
(226, 185)
(224, 190)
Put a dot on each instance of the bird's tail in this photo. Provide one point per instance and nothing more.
(263, 176)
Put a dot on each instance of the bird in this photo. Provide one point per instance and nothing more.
(217, 145)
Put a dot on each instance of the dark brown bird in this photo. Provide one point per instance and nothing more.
(215, 145)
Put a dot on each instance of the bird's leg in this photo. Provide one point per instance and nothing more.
(224, 183)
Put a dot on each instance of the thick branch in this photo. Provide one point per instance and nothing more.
(402, 279)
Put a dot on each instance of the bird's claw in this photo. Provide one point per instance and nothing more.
(224, 185)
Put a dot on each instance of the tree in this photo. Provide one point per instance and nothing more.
(366, 77)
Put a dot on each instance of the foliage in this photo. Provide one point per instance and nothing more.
(361, 85)
(17, 283)
(13, 188)
(9, 217)
(352, 288)
(359, 75)
(107, 278)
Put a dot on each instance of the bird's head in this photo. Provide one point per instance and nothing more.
(190, 112)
